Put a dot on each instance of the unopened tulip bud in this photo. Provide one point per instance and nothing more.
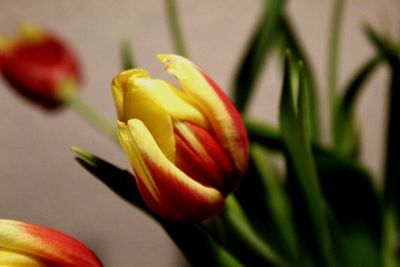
(39, 65)
(188, 146)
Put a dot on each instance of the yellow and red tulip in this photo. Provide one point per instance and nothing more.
(28, 245)
(188, 146)
(37, 65)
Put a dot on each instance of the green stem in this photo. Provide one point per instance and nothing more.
(67, 93)
(389, 238)
(175, 29)
(128, 62)
(333, 50)
(91, 116)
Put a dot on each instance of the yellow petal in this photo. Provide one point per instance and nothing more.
(30, 32)
(4, 44)
(128, 144)
(14, 259)
(120, 87)
(171, 99)
(140, 104)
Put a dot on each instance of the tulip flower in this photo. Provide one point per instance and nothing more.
(188, 146)
(28, 245)
(39, 65)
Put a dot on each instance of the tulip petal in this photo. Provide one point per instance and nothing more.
(45, 243)
(171, 99)
(177, 196)
(4, 45)
(127, 143)
(15, 259)
(120, 87)
(201, 157)
(30, 33)
(218, 109)
(139, 104)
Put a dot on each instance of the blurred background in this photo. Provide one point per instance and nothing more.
(40, 182)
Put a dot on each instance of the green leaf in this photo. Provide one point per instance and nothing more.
(239, 237)
(349, 191)
(390, 248)
(333, 58)
(291, 42)
(350, 194)
(277, 212)
(310, 209)
(198, 246)
(256, 54)
(340, 180)
(193, 240)
(392, 167)
(263, 134)
(346, 133)
(119, 181)
(127, 58)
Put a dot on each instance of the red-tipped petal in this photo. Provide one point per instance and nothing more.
(166, 189)
(45, 244)
(224, 118)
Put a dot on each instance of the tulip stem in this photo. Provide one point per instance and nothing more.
(91, 116)
(70, 97)
(128, 61)
(174, 26)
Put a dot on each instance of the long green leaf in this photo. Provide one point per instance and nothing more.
(264, 134)
(240, 237)
(311, 212)
(349, 191)
(278, 209)
(341, 179)
(333, 58)
(291, 42)
(346, 133)
(194, 241)
(118, 180)
(256, 54)
(392, 168)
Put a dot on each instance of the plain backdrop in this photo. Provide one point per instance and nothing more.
(41, 183)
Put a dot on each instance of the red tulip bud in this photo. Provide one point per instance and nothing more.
(39, 65)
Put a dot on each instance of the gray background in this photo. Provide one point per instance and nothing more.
(39, 180)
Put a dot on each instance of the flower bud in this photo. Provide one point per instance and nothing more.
(188, 146)
(38, 65)
(23, 244)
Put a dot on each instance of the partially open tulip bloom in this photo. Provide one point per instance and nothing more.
(28, 245)
(38, 65)
(188, 146)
